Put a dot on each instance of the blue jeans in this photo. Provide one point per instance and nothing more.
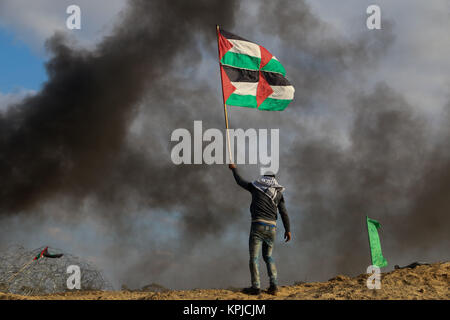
(262, 236)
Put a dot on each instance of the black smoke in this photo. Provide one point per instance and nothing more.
(99, 132)
(67, 136)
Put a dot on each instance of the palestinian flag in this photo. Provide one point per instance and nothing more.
(251, 76)
(41, 254)
(45, 253)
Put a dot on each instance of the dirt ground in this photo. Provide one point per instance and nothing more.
(422, 282)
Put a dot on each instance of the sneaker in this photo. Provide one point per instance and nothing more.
(252, 291)
(272, 290)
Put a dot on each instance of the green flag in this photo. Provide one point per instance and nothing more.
(374, 243)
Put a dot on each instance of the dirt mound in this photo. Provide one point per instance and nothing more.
(422, 282)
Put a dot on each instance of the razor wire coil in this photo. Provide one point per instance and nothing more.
(45, 275)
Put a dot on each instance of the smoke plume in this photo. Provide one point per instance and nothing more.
(97, 137)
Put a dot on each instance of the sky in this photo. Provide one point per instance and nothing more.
(414, 64)
(24, 28)
(420, 32)
(21, 68)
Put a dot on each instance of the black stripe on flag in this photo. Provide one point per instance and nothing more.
(275, 79)
(243, 75)
(229, 35)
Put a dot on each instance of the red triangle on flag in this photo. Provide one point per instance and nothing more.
(266, 56)
(224, 46)
(227, 86)
(263, 91)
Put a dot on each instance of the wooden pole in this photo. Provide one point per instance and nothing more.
(368, 237)
(223, 97)
(15, 275)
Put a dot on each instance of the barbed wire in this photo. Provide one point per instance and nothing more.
(19, 274)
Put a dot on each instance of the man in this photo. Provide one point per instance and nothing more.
(267, 199)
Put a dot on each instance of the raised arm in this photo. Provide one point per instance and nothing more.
(285, 219)
(239, 180)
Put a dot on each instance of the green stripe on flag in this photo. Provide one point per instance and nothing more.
(374, 243)
(274, 104)
(242, 61)
(238, 100)
(274, 66)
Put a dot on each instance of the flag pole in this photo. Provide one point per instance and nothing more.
(223, 97)
(368, 237)
(23, 268)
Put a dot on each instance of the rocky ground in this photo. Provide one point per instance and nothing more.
(422, 282)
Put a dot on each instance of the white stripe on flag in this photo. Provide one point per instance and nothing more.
(245, 47)
(245, 88)
(282, 92)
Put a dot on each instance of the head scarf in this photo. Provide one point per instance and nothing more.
(269, 186)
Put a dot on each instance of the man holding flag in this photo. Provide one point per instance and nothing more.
(252, 77)
(267, 199)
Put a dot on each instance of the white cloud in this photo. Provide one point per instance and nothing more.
(12, 98)
(35, 21)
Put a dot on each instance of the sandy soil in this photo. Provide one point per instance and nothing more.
(422, 282)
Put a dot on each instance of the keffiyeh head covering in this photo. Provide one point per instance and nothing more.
(269, 185)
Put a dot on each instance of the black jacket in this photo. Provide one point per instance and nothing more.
(262, 206)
